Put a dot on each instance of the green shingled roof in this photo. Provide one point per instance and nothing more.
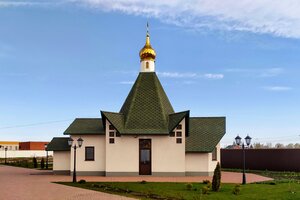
(58, 144)
(146, 109)
(175, 119)
(90, 126)
(205, 133)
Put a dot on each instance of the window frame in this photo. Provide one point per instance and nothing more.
(214, 154)
(111, 140)
(178, 140)
(178, 133)
(179, 127)
(89, 147)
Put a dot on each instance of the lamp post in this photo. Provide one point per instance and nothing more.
(5, 155)
(70, 143)
(238, 141)
(46, 156)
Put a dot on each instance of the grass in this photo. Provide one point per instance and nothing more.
(179, 191)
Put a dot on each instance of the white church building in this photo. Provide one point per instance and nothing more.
(146, 137)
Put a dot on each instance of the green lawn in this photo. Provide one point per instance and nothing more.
(177, 191)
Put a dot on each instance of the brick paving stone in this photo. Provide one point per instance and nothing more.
(31, 184)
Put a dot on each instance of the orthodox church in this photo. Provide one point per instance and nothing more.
(146, 137)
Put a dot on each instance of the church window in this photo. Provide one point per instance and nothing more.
(179, 134)
(89, 153)
(111, 127)
(179, 127)
(214, 154)
(147, 65)
(172, 134)
(178, 140)
(111, 134)
(111, 140)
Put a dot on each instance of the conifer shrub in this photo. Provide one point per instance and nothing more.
(216, 182)
(81, 181)
(35, 164)
(236, 190)
(205, 190)
(42, 163)
(189, 186)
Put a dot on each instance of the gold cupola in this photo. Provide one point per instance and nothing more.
(147, 52)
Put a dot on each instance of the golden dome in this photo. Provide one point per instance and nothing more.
(147, 52)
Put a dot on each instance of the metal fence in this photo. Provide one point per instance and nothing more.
(262, 159)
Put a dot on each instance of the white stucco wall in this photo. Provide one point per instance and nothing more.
(151, 66)
(61, 160)
(213, 163)
(201, 162)
(25, 153)
(98, 165)
(166, 154)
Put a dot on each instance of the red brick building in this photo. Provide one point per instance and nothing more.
(32, 145)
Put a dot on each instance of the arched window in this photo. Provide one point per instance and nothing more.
(147, 65)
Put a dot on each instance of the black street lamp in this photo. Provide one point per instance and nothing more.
(238, 141)
(70, 143)
(46, 156)
(5, 154)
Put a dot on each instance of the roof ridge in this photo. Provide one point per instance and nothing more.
(112, 112)
(160, 103)
(207, 117)
(179, 112)
(85, 118)
(127, 115)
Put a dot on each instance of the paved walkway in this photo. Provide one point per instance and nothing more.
(17, 184)
(30, 184)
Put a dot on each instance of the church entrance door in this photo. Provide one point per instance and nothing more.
(145, 157)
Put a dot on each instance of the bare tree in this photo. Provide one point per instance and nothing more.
(279, 146)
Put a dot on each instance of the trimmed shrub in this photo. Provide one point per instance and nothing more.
(42, 163)
(35, 164)
(206, 182)
(216, 182)
(236, 190)
(81, 181)
(189, 186)
(205, 190)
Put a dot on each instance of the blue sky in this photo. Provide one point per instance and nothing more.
(65, 59)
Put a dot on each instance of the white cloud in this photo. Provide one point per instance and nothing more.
(275, 17)
(126, 82)
(271, 72)
(177, 75)
(277, 88)
(214, 76)
(265, 72)
(190, 75)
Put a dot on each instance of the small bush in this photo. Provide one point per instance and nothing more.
(35, 164)
(205, 190)
(216, 178)
(206, 181)
(81, 181)
(42, 163)
(143, 182)
(272, 183)
(209, 185)
(189, 186)
(236, 190)
(95, 185)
